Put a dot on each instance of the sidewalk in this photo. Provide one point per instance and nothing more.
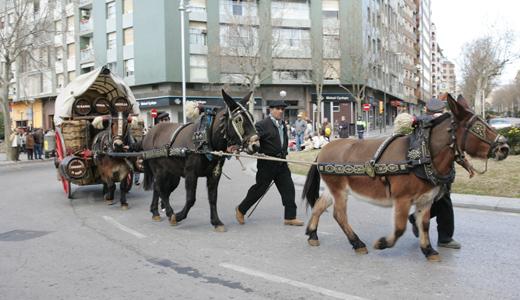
(23, 160)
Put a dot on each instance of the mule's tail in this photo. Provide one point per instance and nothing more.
(148, 176)
(311, 189)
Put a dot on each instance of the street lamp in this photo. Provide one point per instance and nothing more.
(182, 9)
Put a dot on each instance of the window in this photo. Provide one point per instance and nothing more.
(36, 6)
(59, 53)
(10, 18)
(111, 40)
(128, 36)
(128, 6)
(129, 67)
(58, 27)
(330, 14)
(198, 36)
(112, 66)
(60, 80)
(70, 23)
(71, 50)
(111, 9)
(71, 75)
(237, 8)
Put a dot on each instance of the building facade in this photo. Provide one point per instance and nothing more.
(266, 46)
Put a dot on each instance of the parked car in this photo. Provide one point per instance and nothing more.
(499, 123)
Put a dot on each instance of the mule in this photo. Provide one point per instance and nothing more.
(231, 129)
(451, 136)
(115, 138)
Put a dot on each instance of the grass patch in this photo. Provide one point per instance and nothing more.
(502, 178)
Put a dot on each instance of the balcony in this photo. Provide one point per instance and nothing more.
(85, 3)
(198, 14)
(86, 54)
(85, 26)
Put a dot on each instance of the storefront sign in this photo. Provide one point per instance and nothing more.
(334, 97)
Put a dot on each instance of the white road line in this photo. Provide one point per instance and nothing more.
(124, 228)
(298, 284)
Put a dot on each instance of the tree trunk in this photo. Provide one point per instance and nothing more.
(4, 95)
(319, 89)
(7, 122)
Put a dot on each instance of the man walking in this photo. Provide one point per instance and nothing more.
(273, 142)
(343, 127)
(442, 208)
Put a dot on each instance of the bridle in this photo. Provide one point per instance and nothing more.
(476, 127)
(236, 121)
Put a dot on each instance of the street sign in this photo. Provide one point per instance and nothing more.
(366, 107)
(153, 113)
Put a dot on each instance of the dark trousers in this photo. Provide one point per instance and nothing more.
(37, 151)
(29, 154)
(269, 171)
(442, 209)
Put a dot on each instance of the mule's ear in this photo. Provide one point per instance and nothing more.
(228, 100)
(458, 109)
(462, 101)
(244, 102)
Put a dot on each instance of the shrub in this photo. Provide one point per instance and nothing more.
(513, 138)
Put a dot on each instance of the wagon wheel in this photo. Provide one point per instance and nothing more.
(60, 155)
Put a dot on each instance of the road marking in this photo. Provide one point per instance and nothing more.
(124, 228)
(298, 284)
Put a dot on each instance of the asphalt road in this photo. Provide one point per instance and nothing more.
(53, 248)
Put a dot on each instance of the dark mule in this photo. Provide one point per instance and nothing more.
(231, 129)
(452, 135)
(115, 138)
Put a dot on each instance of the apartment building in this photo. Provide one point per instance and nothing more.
(448, 79)
(268, 45)
(436, 62)
(424, 50)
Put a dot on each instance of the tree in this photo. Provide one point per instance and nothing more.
(246, 44)
(483, 61)
(24, 29)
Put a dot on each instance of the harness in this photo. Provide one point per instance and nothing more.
(418, 158)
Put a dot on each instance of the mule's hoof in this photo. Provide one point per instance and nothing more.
(220, 228)
(109, 202)
(173, 220)
(314, 243)
(381, 244)
(434, 258)
(156, 218)
(124, 206)
(363, 250)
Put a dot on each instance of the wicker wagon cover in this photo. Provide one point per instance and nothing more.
(106, 84)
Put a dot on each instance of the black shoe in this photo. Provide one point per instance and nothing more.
(452, 244)
(415, 230)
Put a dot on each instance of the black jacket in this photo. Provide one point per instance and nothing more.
(270, 138)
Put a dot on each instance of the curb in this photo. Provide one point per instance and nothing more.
(491, 203)
(8, 163)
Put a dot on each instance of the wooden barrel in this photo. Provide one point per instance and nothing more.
(102, 106)
(82, 106)
(73, 168)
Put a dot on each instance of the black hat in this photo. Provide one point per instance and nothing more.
(435, 106)
(163, 115)
(277, 103)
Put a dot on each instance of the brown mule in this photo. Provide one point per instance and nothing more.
(450, 136)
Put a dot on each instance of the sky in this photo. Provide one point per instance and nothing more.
(461, 21)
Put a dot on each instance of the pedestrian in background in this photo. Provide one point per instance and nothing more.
(15, 140)
(361, 126)
(300, 125)
(442, 208)
(343, 127)
(29, 145)
(38, 143)
(273, 142)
